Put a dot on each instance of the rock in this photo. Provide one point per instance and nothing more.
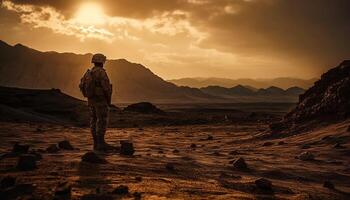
(97, 197)
(121, 190)
(18, 190)
(20, 148)
(138, 178)
(175, 151)
(170, 166)
(267, 144)
(348, 129)
(63, 189)
(210, 137)
(193, 146)
(328, 184)
(263, 184)
(305, 146)
(338, 146)
(281, 143)
(126, 148)
(52, 148)
(7, 181)
(26, 162)
(37, 155)
(240, 164)
(233, 152)
(92, 157)
(65, 144)
(143, 107)
(137, 195)
(306, 156)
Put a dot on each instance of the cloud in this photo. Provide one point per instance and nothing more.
(295, 37)
(48, 17)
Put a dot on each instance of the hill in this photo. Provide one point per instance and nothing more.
(24, 67)
(327, 101)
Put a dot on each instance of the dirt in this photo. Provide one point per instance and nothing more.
(203, 172)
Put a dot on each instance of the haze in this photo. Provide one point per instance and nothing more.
(190, 38)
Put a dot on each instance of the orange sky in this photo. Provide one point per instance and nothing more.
(190, 38)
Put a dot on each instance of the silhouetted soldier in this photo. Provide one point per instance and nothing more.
(95, 85)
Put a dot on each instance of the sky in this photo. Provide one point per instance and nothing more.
(190, 38)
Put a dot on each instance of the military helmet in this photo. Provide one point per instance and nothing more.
(98, 58)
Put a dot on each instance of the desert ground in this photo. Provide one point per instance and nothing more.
(181, 162)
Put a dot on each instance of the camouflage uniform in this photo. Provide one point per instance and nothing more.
(99, 105)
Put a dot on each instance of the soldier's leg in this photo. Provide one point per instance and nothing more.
(102, 117)
(93, 121)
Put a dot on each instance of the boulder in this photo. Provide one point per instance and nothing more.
(210, 137)
(175, 151)
(240, 164)
(170, 166)
(328, 184)
(305, 146)
(306, 156)
(193, 146)
(97, 197)
(7, 181)
(20, 148)
(63, 189)
(263, 184)
(65, 144)
(338, 146)
(92, 157)
(121, 190)
(37, 155)
(126, 148)
(281, 143)
(143, 107)
(267, 144)
(53, 148)
(17, 191)
(137, 195)
(26, 162)
(138, 179)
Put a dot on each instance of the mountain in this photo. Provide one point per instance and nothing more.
(283, 83)
(327, 101)
(270, 91)
(248, 93)
(238, 90)
(24, 67)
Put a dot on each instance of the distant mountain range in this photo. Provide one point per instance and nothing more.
(23, 67)
(246, 92)
(284, 83)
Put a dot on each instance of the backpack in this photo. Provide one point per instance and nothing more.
(87, 84)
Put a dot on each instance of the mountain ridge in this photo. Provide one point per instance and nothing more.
(24, 67)
(282, 82)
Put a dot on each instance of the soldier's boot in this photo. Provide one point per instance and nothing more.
(103, 146)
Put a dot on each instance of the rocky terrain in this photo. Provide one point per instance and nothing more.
(223, 161)
(326, 102)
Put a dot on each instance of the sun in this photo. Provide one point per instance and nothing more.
(90, 14)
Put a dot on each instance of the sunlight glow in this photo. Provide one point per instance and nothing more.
(90, 14)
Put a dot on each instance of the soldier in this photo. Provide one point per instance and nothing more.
(95, 85)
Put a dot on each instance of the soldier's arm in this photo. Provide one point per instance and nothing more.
(106, 86)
